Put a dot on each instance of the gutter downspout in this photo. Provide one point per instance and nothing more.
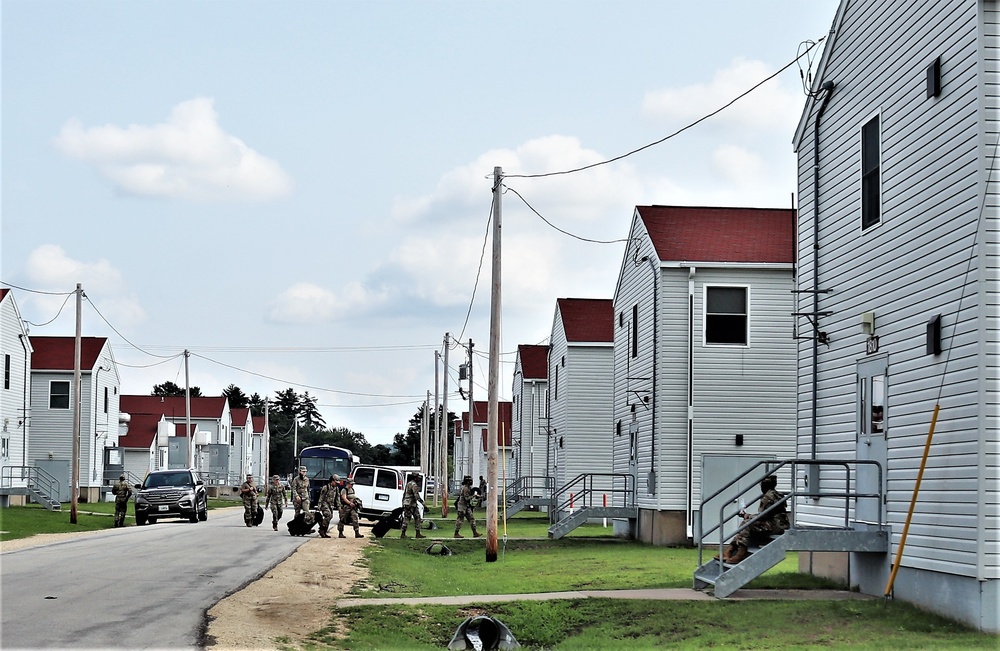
(812, 476)
(690, 406)
(654, 457)
(24, 404)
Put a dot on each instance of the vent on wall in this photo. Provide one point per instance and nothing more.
(934, 78)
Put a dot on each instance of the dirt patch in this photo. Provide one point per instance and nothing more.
(291, 601)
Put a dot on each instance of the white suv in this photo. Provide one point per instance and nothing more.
(380, 488)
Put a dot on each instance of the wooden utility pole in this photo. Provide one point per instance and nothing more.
(493, 411)
(187, 411)
(468, 443)
(77, 384)
(445, 428)
(436, 438)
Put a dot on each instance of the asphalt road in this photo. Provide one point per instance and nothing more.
(133, 588)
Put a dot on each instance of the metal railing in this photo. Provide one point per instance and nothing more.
(843, 484)
(33, 479)
(594, 490)
(529, 486)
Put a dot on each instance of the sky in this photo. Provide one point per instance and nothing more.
(299, 193)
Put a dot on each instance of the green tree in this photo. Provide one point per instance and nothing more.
(169, 388)
(308, 414)
(237, 399)
(257, 404)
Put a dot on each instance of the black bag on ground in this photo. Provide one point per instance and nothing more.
(298, 526)
(258, 517)
(392, 521)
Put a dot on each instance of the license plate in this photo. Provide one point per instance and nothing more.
(163, 507)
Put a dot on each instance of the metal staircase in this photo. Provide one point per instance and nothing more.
(528, 491)
(34, 482)
(851, 536)
(592, 495)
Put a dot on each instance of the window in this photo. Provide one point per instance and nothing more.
(364, 476)
(871, 399)
(386, 479)
(555, 384)
(59, 395)
(871, 193)
(6, 371)
(635, 330)
(105, 400)
(726, 313)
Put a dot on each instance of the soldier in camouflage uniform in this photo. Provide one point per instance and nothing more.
(329, 500)
(248, 491)
(122, 491)
(348, 510)
(463, 505)
(300, 491)
(760, 532)
(411, 497)
(275, 499)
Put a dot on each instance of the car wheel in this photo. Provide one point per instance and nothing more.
(140, 520)
(152, 521)
(193, 518)
(203, 514)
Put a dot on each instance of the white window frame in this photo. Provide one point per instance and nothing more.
(69, 393)
(704, 315)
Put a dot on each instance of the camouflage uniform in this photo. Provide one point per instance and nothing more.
(248, 491)
(275, 499)
(329, 499)
(348, 510)
(300, 492)
(463, 505)
(411, 497)
(760, 532)
(122, 491)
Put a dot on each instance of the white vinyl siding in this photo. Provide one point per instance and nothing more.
(922, 260)
(581, 417)
(14, 402)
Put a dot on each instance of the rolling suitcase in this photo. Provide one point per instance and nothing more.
(392, 521)
(258, 516)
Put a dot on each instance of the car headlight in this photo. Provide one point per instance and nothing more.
(141, 499)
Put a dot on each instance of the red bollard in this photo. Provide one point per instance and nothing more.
(571, 501)
(605, 500)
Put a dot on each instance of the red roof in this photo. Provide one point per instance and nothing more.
(258, 424)
(691, 234)
(534, 362)
(481, 412)
(588, 319)
(141, 431)
(239, 416)
(505, 420)
(3, 292)
(57, 353)
(173, 406)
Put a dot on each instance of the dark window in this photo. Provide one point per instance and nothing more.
(635, 330)
(105, 400)
(364, 476)
(386, 479)
(58, 395)
(871, 193)
(726, 315)
(6, 371)
(555, 388)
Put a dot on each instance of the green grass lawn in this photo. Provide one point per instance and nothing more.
(590, 559)
(25, 521)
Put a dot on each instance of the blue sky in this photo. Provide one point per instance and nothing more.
(299, 190)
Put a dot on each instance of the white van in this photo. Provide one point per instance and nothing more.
(380, 488)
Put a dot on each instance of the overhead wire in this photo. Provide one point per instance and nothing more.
(124, 338)
(675, 133)
(479, 271)
(564, 232)
(61, 308)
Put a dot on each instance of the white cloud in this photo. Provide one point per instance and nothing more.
(49, 268)
(187, 157)
(771, 107)
(304, 303)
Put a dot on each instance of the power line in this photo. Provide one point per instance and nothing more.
(124, 338)
(675, 133)
(299, 384)
(36, 291)
(582, 239)
(479, 271)
(61, 307)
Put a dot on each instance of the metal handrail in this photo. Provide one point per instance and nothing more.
(772, 467)
(530, 486)
(33, 478)
(582, 492)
